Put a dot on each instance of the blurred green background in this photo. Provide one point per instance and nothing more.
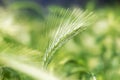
(94, 52)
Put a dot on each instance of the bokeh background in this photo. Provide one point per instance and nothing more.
(94, 52)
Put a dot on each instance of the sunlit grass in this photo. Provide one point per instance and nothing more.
(37, 46)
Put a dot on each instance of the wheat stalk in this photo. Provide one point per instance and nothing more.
(68, 28)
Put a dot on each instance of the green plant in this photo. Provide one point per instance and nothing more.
(15, 55)
(46, 45)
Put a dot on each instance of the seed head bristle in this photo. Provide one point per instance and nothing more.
(67, 29)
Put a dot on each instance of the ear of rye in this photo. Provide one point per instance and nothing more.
(68, 28)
